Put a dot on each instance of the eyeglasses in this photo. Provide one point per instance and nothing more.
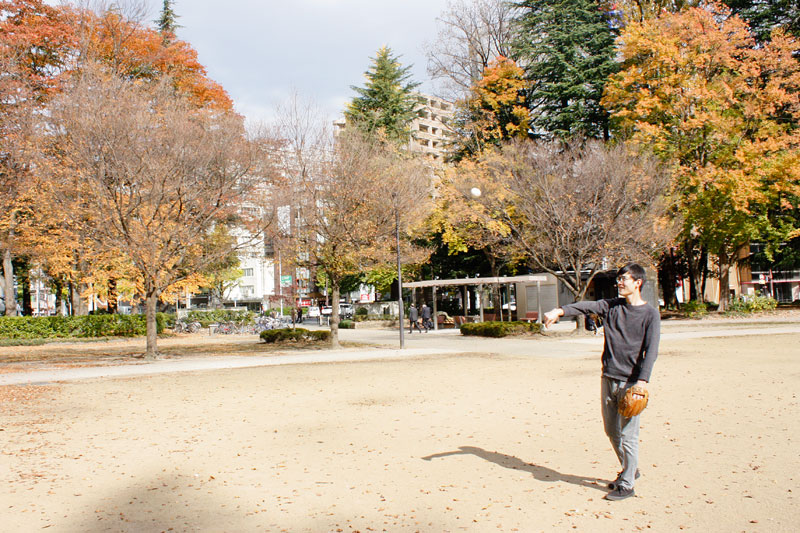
(623, 279)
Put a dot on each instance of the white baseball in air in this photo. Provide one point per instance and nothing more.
(476, 192)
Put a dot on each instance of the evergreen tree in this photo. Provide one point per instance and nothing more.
(764, 16)
(387, 104)
(567, 50)
(167, 22)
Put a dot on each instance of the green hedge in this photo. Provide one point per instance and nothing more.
(47, 327)
(296, 334)
(347, 324)
(215, 316)
(499, 329)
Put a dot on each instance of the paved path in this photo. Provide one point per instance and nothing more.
(186, 364)
(417, 345)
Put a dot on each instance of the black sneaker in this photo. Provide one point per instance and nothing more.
(619, 494)
(613, 484)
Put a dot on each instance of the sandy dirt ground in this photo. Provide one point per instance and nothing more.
(500, 441)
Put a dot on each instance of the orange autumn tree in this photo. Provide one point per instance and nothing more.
(142, 52)
(467, 222)
(35, 46)
(41, 46)
(696, 89)
(495, 110)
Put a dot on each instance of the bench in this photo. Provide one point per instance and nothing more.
(444, 322)
(530, 316)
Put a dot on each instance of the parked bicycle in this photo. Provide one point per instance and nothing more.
(224, 328)
(235, 328)
(184, 326)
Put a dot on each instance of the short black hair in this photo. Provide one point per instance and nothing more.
(635, 270)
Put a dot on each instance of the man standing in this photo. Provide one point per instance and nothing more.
(425, 311)
(632, 331)
(413, 318)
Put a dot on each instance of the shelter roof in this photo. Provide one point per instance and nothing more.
(476, 281)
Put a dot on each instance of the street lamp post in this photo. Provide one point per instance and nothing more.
(399, 276)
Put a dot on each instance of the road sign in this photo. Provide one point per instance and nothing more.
(286, 281)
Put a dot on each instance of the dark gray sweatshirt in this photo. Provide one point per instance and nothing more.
(632, 333)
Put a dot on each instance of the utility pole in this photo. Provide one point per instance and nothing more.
(399, 276)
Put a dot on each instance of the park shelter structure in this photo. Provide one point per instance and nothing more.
(534, 294)
(507, 282)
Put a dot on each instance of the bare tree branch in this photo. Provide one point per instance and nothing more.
(471, 34)
(150, 177)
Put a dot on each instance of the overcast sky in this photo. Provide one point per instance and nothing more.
(262, 50)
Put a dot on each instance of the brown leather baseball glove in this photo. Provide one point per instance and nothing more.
(634, 401)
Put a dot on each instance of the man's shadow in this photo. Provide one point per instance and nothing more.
(541, 473)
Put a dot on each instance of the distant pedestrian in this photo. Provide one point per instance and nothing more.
(425, 311)
(413, 318)
(299, 314)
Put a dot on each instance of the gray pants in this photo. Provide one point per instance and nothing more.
(622, 432)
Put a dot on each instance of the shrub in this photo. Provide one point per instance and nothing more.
(763, 303)
(161, 322)
(320, 335)
(499, 329)
(347, 324)
(64, 327)
(694, 309)
(362, 311)
(272, 336)
(752, 305)
(215, 316)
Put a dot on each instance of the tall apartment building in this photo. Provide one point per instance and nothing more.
(430, 133)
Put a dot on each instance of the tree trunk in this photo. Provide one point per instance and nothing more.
(112, 296)
(215, 294)
(27, 297)
(580, 324)
(80, 306)
(497, 301)
(724, 280)
(71, 298)
(57, 287)
(703, 272)
(24, 281)
(151, 302)
(666, 274)
(8, 284)
(580, 320)
(694, 277)
(335, 315)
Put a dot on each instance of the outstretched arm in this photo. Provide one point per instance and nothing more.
(552, 316)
